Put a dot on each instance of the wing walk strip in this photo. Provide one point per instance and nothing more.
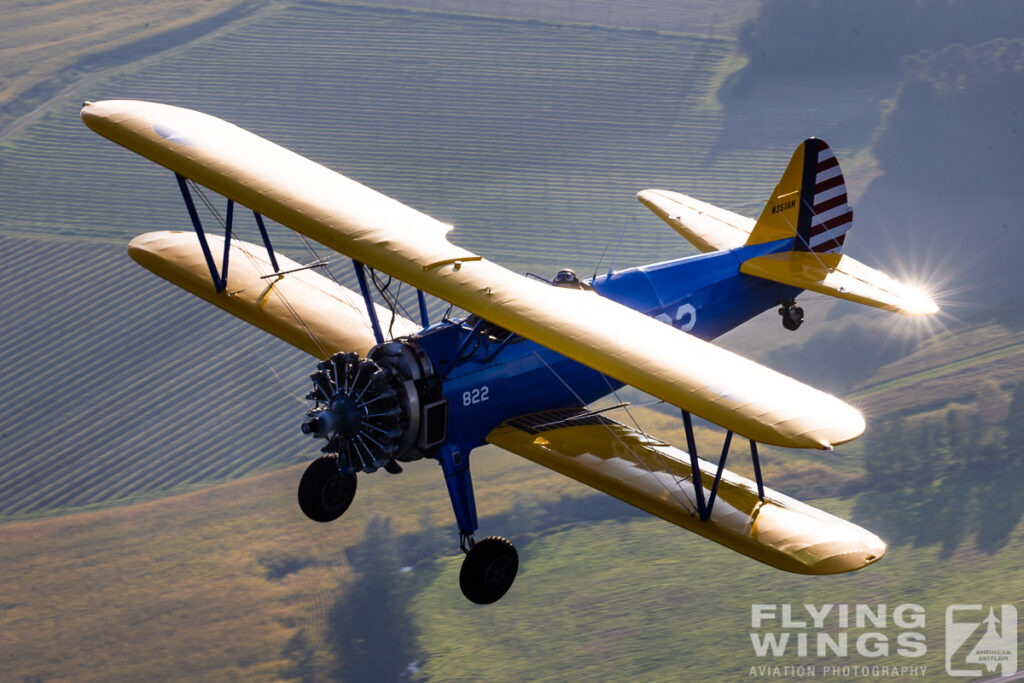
(369, 227)
(692, 506)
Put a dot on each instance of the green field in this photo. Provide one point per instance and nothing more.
(677, 605)
(232, 582)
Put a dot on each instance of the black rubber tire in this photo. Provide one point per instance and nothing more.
(489, 569)
(324, 491)
(792, 318)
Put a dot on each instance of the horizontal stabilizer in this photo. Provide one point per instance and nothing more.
(840, 276)
(301, 307)
(705, 226)
(643, 471)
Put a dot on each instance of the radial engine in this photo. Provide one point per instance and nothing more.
(380, 410)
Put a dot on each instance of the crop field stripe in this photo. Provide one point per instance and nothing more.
(118, 425)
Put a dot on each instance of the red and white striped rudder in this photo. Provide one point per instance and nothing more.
(809, 205)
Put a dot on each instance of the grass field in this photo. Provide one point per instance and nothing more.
(232, 582)
(45, 47)
(179, 587)
(673, 607)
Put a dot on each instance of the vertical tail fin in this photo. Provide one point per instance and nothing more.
(809, 207)
(809, 204)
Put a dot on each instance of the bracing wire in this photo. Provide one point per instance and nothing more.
(207, 203)
(687, 504)
(257, 265)
(393, 300)
(661, 458)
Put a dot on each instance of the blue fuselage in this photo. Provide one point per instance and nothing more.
(497, 377)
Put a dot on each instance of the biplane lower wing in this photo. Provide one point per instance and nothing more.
(657, 478)
(295, 304)
(367, 226)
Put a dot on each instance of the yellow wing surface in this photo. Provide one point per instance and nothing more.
(705, 226)
(365, 225)
(301, 307)
(655, 477)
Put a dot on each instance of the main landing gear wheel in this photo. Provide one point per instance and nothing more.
(325, 492)
(792, 315)
(489, 569)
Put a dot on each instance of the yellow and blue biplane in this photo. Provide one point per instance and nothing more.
(520, 370)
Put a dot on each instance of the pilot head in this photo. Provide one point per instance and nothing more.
(567, 277)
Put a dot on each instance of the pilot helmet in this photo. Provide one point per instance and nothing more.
(567, 276)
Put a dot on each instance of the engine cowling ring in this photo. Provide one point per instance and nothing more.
(372, 410)
(358, 409)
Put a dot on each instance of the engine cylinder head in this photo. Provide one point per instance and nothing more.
(369, 409)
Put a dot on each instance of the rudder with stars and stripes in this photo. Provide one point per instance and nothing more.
(809, 204)
(830, 213)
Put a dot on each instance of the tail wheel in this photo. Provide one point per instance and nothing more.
(325, 492)
(489, 569)
(792, 315)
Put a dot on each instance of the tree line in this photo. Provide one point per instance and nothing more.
(820, 40)
(918, 449)
(951, 145)
(943, 476)
(956, 123)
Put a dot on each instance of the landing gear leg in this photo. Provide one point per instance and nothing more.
(490, 565)
(792, 315)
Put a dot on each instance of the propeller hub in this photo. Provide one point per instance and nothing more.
(358, 410)
(346, 416)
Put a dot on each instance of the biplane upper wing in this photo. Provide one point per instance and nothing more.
(655, 477)
(383, 233)
(297, 304)
(705, 226)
